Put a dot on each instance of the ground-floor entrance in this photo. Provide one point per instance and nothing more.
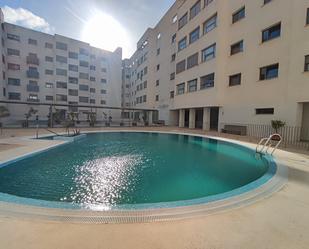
(206, 118)
(305, 123)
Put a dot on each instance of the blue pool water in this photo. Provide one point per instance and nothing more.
(121, 168)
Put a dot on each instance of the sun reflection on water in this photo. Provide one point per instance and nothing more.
(100, 183)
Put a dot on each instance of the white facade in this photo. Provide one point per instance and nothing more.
(53, 69)
(227, 62)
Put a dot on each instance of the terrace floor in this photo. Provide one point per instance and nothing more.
(280, 221)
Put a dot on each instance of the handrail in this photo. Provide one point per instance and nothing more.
(267, 143)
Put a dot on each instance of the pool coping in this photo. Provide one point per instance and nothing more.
(245, 195)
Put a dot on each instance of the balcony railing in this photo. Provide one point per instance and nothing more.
(33, 60)
(31, 88)
(33, 74)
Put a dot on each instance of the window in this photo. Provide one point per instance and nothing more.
(172, 76)
(92, 90)
(49, 98)
(158, 51)
(61, 59)
(157, 82)
(73, 68)
(144, 98)
(92, 78)
(173, 57)
(83, 51)
(237, 47)
(83, 87)
(103, 102)
(180, 88)
(172, 94)
(32, 41)
(84, 76)
(157, 97)
(49, 72)
(182, 44)
(61, 97)
(73, 80)
(13, 52)
(49, 85)
(61, 72)
(103, 70)
(92, 67)
(83, 99)
(210, 24)
(209, 53)
(271, 33)
(48, 45)
(104, 81)
(196, 8)
(145, 70)
(173, 38)
(267, 1)
(207, 2)
(14, 96)
(158, 67)
(83, 64)
(61, 46)
(49, 59)
(92, 101)
(103, 91)
(194, 35)
(13, 37)
(73, 92)
(33, 97)
(181, 66)
(174, 20)
(264, 111)
(235, 79)
(269, 72)
(158, 36)
(238, 15)
(207, 81)
(307, 18)
(192, 85)
(61, 84)
(13, 82)
(192, 60)
(183, 21)
(307, 63)
(73, 55)
(13, 66)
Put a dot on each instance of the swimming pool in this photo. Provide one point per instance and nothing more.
(134, 170)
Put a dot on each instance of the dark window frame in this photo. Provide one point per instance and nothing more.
(267, 74)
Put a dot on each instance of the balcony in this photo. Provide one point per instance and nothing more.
(33, 60)
(31, 88)
(33, 74)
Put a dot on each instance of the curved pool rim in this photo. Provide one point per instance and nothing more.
(264, 186)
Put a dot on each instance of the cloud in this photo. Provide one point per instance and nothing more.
(26, 18)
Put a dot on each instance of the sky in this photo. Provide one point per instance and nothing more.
(106, 24)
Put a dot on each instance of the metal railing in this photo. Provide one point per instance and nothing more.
(292, 136)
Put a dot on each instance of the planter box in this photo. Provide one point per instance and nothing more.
(69, 139)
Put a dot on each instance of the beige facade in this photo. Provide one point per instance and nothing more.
(254, 73)
(53, 69)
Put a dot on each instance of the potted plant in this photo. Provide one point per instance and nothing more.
(92, 119)
(4, 112)
(277, 125)
(28, 115)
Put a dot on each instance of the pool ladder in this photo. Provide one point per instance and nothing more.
(267, 143)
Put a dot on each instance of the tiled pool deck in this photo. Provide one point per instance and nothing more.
(279, 221)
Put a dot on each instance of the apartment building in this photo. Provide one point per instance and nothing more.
(216, 62)
(53, 69)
